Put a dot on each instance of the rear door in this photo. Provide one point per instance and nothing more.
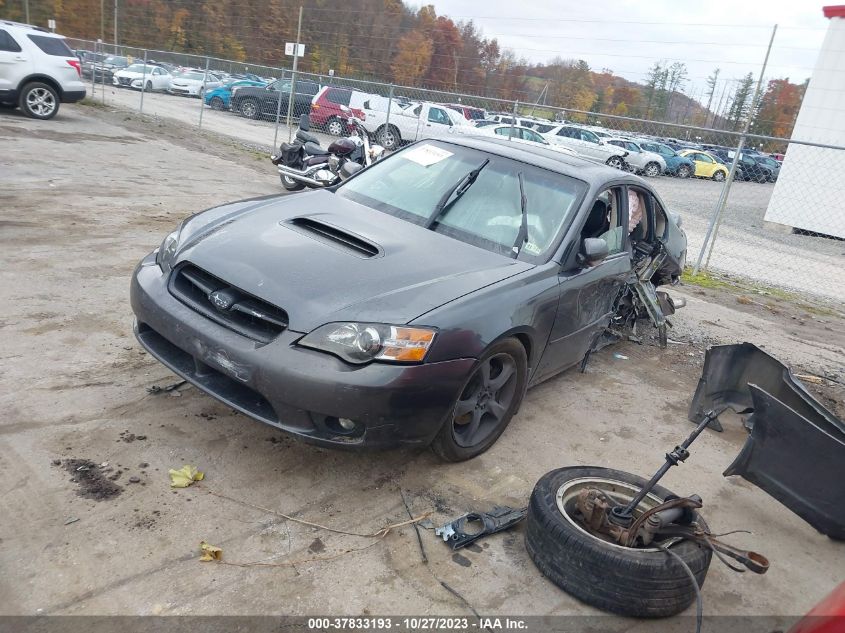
(15, 64)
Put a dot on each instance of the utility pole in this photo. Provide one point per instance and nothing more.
(713, 227)
(102, 21)
(26, 9)
(292, 98)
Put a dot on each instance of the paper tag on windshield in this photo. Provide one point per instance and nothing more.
(426, 155)
(532, 248)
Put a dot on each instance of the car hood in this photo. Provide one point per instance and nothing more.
(131, 74)
(323, 258)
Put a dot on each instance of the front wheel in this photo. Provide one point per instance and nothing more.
(684, 171)
(652, 170)
(149, 86)
(249, 108)
(489, 399)
(389, 137)
(719, 176)
(640, 582)
(290, 184)
(216, 103)
(615, 161)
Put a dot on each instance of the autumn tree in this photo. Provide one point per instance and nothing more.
(778, 108)
(413, 56)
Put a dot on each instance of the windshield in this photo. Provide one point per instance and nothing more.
(118, 61)
(139, 68)
(411, 183)
(191, 75)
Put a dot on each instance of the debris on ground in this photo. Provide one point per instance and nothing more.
(482, 524)
(619, 356)
(155, 389)
(91, 479)
(185, 476)
(71, 520)
(210, 552)
(126, 436)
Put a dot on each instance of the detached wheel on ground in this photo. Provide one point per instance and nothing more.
(290, 184)
(335, 127)
(634, 582)
(216, 103)
(490, 398)
(39, 100)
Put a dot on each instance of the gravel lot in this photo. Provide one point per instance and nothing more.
(84, 197)
(746, 246)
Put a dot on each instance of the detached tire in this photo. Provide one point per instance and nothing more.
(641, 583)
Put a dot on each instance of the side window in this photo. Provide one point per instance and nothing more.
(8, 43)
(632, 147)
(530, 135)
(605, 220)
(589, 137)
(704, 158)
(617, 143)
(436, 115)
(503, 131)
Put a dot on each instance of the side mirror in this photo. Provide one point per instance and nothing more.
(593, 251)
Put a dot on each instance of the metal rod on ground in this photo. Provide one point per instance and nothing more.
(202, 92)
(143, 83)
(292, 99)
(723, 198)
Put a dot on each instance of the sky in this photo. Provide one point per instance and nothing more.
(628, 36)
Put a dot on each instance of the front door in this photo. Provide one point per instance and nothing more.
(588, 293)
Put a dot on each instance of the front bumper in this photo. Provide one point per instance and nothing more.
(301, 391)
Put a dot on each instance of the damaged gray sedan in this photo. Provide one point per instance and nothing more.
(416, 302)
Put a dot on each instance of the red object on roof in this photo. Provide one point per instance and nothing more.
(837, 11)
(828, 616)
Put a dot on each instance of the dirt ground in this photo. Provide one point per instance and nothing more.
(89, 524)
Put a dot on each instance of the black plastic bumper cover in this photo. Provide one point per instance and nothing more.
(796, 448)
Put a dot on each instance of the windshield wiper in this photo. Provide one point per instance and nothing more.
(458, 189)
(522, 235)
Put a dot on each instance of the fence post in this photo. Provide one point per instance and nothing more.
(389, 105)
(292, 98)
(143, 83)
(202, 91)
(278, 111)
(712, 227)
(97, 48)
(513, 120)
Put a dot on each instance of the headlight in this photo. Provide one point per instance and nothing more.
(364, 342)
(167, 251)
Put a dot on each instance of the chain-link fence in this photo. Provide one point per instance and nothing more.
(762, 210)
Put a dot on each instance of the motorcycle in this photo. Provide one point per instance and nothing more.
(304, 163)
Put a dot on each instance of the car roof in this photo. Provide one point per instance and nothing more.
(573, 166)
(30, 27)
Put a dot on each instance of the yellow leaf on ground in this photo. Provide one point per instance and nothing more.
(185, 476)
(209, 552)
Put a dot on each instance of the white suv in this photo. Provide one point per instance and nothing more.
(37, 70)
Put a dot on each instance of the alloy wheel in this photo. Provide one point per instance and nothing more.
(334, 127)
(615, 162)
(485, 400)
(41, 101)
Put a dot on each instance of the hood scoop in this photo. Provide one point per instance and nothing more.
(336, 237)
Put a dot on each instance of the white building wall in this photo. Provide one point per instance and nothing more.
(810, 191)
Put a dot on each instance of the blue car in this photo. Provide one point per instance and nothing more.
(219, 98)
(676, 164)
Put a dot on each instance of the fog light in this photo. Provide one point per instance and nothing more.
(346, 424)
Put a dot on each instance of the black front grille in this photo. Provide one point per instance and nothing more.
(227, 305)
(125, 81)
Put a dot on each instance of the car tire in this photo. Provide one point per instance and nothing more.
(762, 178)
(249, 108)
(719, 176)
(684, 171)
(217, 103)
(633, 582)
(39, 100)
(149, 86)
(335, 126)
(290, 184)
(486, 404)
(652, 170)
(389, 137)
(616, 162)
